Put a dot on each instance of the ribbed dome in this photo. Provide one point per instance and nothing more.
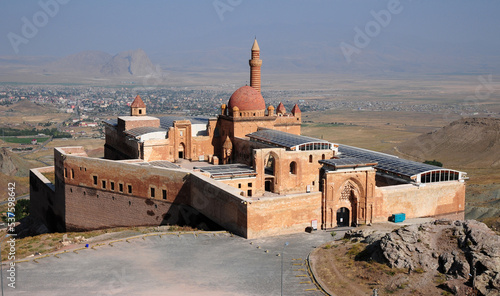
(246, 98)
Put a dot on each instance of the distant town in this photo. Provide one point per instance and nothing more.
(88, 106)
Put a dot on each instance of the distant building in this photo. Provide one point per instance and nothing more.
(34, 142)
(249, 170)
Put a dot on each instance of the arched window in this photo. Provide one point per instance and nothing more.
(310, 158)
(270, 163)
(293, 167)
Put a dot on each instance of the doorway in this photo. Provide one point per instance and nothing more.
(181, 151)
(343, 217)
(268, 185)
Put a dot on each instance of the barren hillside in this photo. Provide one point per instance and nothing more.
(465, 143)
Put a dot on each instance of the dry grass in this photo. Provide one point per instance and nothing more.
(340, 273)
(51, 242)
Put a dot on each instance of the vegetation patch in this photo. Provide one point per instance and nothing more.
(17, 140)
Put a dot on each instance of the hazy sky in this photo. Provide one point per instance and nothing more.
(157, 26)
(379, 36)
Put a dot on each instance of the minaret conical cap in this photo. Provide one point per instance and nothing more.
(255, 45)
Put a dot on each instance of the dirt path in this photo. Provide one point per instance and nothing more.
(346, 286)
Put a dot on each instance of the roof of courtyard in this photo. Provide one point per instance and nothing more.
(166, 122)
(390, 164)
(347, 162)
(160, 163)
(143, 130)
(288, 141)
(228, 171)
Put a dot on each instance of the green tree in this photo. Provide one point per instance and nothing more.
(434, 162)
(22, 209)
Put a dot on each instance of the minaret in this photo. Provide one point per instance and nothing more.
(255, 64)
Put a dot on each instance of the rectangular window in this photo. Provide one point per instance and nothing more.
(164, 194)
(103, 184)
(249, 192)
(120, 187)
(72, 174)
(129, 188)
(65, 172)
(95, 179)
(239, 185)
(249, 184)
(152, 192)
(112, 185)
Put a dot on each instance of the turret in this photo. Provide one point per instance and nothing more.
(270, 110)
(138, 108)
(296, 112)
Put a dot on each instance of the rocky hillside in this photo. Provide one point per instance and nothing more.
(12, 165)
(466, 252)
(128, 63)
(90, 62)
(468, 142)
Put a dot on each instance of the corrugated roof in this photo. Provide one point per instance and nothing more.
(389, 163)
(282, 139)
(167, 122)
(348, 162)
(112, 122)
(139, 131)
(228, 170)
(160, 163)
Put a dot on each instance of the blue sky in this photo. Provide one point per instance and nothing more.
(288, 28)
(155, 26)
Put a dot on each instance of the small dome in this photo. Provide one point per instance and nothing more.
(246, 98)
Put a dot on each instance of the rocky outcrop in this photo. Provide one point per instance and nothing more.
(133, 63)
(467, 251)
(7, 166)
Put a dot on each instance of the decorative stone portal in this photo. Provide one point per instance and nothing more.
(349, 196)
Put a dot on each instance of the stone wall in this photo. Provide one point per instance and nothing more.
(220, 202)
(287, 180)
(246, 185)
(118, 147)
(440, 199)
(45, 204)
(283, 214)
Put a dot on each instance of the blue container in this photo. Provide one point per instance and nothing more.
(398, 217)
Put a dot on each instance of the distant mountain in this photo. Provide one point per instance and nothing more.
(128, 63)
(85, 62)
(132, 63)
